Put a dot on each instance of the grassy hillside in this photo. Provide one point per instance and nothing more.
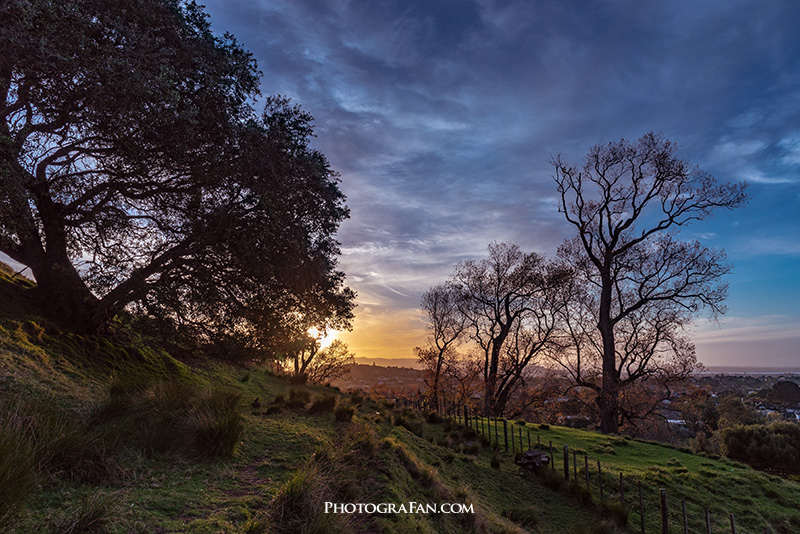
(108, 434)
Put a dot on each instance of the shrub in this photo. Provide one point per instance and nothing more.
(171, 416)
(298, 380)
(215, 423)
(409, 422)
(256, 525)
(496, 459)
(298, 398)
(775, 447)
(344, 412)
(62, 446)
(472, 447)
(551, 478)
(616, 513)
(434, 418)
(544, 426)
(322, 404)
(93, 514)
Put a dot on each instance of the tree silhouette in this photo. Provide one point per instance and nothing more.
(641, 283)
(133, 170)
(510, 303)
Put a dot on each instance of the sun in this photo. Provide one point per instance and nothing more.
(324, 339)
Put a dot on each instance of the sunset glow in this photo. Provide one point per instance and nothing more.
(325, 339)
(441, 119)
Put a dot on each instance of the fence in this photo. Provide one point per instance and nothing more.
(640, 507)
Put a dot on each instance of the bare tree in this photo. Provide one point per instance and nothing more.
(446, 326)
(510, 301)
(642, 284)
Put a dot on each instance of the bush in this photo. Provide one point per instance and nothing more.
(409, 422)
(322, 404)
(616, 513)
(298, 398)
(434, 418)
(496, 459)
(94, 513)
(171, 416)
(344, 412)
(215, 423)
(775, 447)
(298, 380)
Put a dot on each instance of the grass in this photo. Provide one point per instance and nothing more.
(113, 435)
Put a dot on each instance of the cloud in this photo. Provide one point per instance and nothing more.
(441, 117)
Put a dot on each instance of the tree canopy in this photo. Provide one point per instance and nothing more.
(135, 173)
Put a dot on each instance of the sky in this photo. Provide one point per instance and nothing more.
(442, 115)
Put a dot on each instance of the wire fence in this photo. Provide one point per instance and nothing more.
(641, 504)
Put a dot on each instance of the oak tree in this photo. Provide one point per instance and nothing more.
(135, 172)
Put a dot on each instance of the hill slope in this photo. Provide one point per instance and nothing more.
(118, 436)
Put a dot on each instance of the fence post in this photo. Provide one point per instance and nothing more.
(641, 507)
(733, 525)
(466, 415)
(708, 522)
(520, 439)
(621, 491)
(529, 439)
(496, 435)
(664, 512)
(600, 479)
(505, 433)
(552, 459)
(566, 462)
(685, 517)
(574, 466)
(586, 471)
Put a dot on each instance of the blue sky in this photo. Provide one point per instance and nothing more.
(442, 115)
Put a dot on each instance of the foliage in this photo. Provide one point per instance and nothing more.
(733, 411)
(344, 412)
(775, 447)
(172, 416)
(638, 285)
(177, 198)
(298, 398)
(322, 404)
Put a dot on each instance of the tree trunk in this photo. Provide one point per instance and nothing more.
(60, 285)
(608, 398)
